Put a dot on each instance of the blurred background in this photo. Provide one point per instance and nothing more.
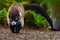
(31, 17)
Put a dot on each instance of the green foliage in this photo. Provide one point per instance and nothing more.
(5, 3)
(25, 2)
(35, 1)
(3, 16)
(53, 2)
(37, 19)
(46, 7)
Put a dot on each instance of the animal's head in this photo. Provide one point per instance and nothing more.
(14, 16)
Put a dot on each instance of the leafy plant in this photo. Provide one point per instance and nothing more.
(37, 19)
(3, 16)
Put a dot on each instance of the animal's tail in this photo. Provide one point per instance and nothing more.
(39, 10)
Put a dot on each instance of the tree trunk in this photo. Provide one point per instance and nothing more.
(55, 13)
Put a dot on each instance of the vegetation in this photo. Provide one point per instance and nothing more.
(31, 16)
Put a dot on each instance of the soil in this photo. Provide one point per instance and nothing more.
(28, 33)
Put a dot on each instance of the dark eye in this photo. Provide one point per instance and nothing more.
(16, 18)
